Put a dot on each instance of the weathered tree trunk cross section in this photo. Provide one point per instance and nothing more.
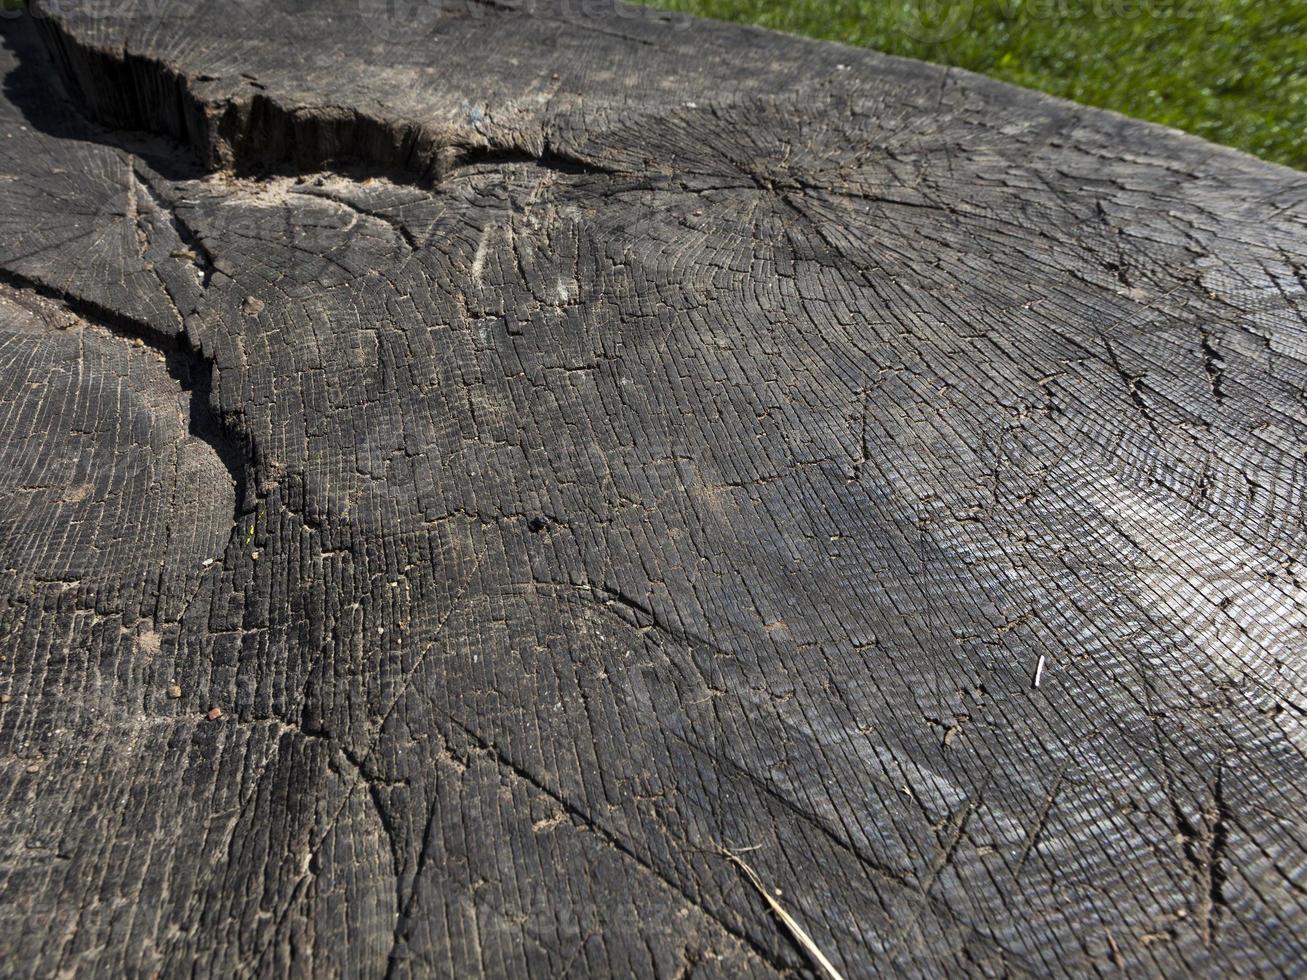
(475, 486)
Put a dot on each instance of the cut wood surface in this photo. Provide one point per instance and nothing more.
(478, 478)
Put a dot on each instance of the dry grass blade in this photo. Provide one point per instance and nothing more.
(796, 931)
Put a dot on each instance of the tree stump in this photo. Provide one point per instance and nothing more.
(478, 478)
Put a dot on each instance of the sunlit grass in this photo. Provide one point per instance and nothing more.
(1232, 71)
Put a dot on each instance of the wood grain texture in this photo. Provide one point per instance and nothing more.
(563, 441)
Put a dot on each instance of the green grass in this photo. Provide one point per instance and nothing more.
(1232, 71)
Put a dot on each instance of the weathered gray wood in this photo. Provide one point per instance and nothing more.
(564, 441)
